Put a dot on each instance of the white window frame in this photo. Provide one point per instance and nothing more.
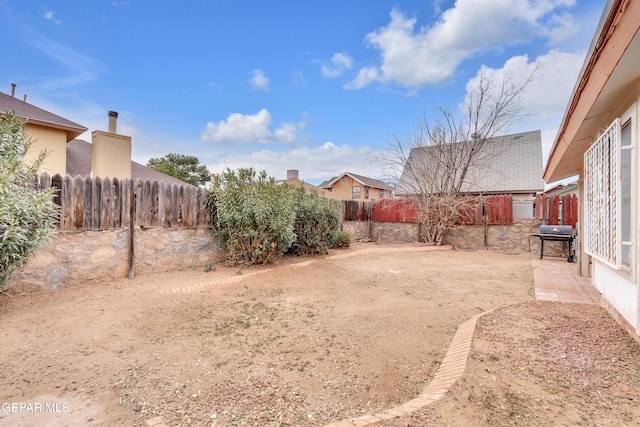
(630, 152)
(602, 199)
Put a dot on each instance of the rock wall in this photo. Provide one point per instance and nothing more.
(513, 238)
(80, 257)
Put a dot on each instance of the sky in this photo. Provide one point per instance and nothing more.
(323, 87)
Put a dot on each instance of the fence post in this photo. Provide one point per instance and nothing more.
(132, 220)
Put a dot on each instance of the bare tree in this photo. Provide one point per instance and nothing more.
(441, 164)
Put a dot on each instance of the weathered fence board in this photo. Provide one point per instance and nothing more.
(101, 204)
(557, 210)
(499, 210)
(496, 209)
(394, 210)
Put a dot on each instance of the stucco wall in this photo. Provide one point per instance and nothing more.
(52, 140)
(80, 257)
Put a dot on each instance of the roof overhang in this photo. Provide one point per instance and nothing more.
(72, 132)
(611, 68)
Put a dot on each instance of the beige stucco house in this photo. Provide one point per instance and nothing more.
(49, 132)
(356, 187)
(598, 142)
(108, 155)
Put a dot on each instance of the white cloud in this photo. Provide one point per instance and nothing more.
(315, 164)
(340, 63)
(250, 129)
(259, 80)
(299, 79)
(545, 98)
(413, 57)
(50, 15)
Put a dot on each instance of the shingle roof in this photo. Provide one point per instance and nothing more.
(366, 181)
(79, 163)
(513, 165)
(38, 115)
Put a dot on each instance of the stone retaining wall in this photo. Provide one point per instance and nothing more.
(80, 257)
(513, 238)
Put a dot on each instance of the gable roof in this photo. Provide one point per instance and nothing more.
(79, 163)
(366, 181)
(511, 164)
(39, 116)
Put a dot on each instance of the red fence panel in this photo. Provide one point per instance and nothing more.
(570, 209)
(557, 210)
(394, 210)
(470, 213)
(499, 209)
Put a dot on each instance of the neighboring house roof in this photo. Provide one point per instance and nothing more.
(366, 181)
(296, 182)
(39, 116)
(79, 163)
(510, 164)
(607, 77)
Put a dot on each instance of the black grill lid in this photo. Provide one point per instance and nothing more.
(560, 230)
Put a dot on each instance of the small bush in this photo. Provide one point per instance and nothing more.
(317, 223)
(343, 240)
(27, 215)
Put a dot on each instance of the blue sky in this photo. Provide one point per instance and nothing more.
(318, 86)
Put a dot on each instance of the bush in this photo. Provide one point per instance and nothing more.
(252, 216)
(343, 240)
(27, 215)
(316, 225)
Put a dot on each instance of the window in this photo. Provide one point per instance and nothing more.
(355, 192)
(366, 192)
(626, 170)
(608, 166)
(381, 193)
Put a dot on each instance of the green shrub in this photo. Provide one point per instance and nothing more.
(27, 215)
(343, 240)
(317, 223)
(252, 216)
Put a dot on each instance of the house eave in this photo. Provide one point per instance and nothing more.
(609, 71)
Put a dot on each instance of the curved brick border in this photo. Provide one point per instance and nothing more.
(451, 369)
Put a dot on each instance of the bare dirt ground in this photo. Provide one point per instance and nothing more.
(309, 345)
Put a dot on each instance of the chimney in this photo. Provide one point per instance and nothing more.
(292, 174)
(113, 119)
(13, 90)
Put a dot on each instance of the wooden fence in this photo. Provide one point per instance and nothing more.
(102, 204)
(557, 210)
(494, 210)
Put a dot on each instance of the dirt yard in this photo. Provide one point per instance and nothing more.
(305, 345)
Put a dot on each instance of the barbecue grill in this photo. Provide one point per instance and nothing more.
(557, 233)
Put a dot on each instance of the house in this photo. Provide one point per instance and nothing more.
(509, 164)
(49, 132)
(109, 155)
(356, 187)
(598, 141)
(293, 178)
(79, 154)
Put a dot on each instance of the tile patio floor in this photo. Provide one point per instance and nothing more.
(557, 280)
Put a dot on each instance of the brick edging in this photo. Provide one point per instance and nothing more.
(451, 370)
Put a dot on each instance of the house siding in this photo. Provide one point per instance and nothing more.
(54, 141)
(620, 286)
